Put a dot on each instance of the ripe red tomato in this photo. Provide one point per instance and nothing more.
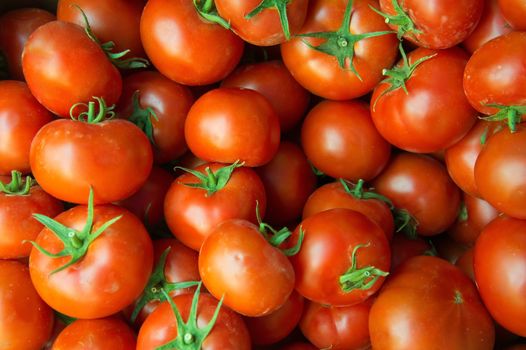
(340, 139)
(26, 321)
(514, 12)
(63, 66)
(500, 271)
(176, 37)
(229, 124)
(21, 116)
(100, 334)
(430, 304)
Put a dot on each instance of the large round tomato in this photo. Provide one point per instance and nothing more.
(500, 271)
(430, 304)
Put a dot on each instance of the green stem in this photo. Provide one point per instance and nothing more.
(400, 19)
(360, 278)
(17, 186)
(511, 114)
(280, 6)
(93, 115)
(142, 117)
(358, 192)
(207, 10)
(211, 181)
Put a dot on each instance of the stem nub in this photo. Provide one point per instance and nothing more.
(207, 10)
(400, 19)
(511, 114)
(211, 181)
(93, 115)
(17, 186)
(360, 278)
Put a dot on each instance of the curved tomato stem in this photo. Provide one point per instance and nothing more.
(360, 278)
(511, 114)
(142, 117)
(93, 115)
(17, 186)
(207, 10)
(405, 222)
(401, 19)
(358, 192)
(280, 6)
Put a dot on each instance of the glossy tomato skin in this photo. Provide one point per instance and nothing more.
(264, 29)
(15, 28)
(229, 124)
(236, 262)
(68, 156)
(273, 80)
(326, 251)
(108, 278)
(500, 268)
(412, 122)
(500, 172)
(421, 185)
(174, 36)
(495, 73)
(333, 195)
(322, 75)
(122, 29)
(102, 334)
(429, 16)
(21, 116)
(430, 304)
(191, 214)
(63, 66)
(169, 100)
(26, 321)
(229, 331)
(514, 12)
(340, 139)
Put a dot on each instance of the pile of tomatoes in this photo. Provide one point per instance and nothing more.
(267, 174)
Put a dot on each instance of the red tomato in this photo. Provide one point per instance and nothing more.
(21, 116)
(500, 271)
(63, 66)
(421, 185)
(111, 274)
(100, 334)
(176, 38)
(465, 263)
(340, 139)
(514, 11)
(229, 124)
(403, 248)
(340, 244)
(434, 103)
(274, 81)
(430, 304)
(26, 321)
(337, 328)
(15, 28)
(323, 74)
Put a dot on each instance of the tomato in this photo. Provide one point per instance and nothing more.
(169, 102)
(237, 263)
(122, 29)
(111, 272)
(434, 103)
(337, 328)
(421, 185)
(340, 245)
(331, 78)
(336, 195)
(403, 248)
(68, 157)
(229, 124)
(340, 139)
(228, 331)
(259, 23)
(174, 36)
(15, 28)
(465, 263)
(63, 66)
(192, 212)
(100, 334)
(491, 25)
(26, 321)
(499, 260)
(272, 79)
(514, 11)
(430, 304)
(21, 116)
(288, 182)
(500, 170)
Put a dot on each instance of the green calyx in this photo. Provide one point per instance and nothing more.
(207, 10)
(463, 214)
(157, 284)
(211, 181)
(398, 75)
(405, 222)
(340, 43)
(189, 335)
(117, 58)
(363, 278)
(76, 243)
(276, 238)
(93, 115)
(511, 114)
(142, 117)
(280, 6)
(400, 19)
(67, 320)
(17, 186)
(358, 192)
